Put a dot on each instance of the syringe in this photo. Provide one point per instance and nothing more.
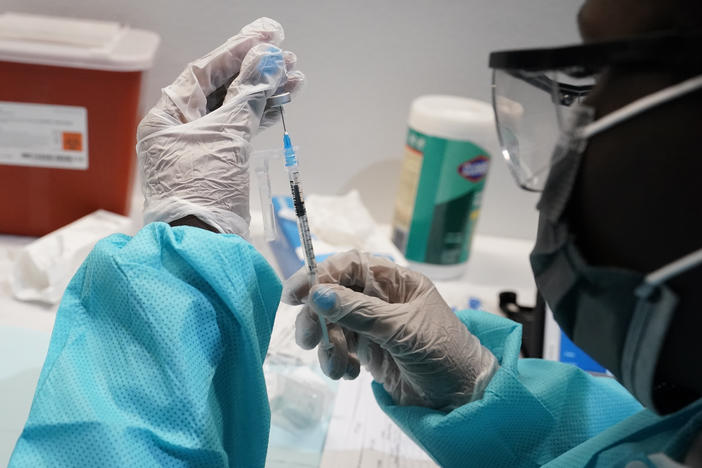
(303, 225)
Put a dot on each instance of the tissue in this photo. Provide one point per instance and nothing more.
(43, 268)
(345, 223)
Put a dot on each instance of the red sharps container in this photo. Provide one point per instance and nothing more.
(69, 95)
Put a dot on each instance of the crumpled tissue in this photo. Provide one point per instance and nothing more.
(42, 269)
(342, 222)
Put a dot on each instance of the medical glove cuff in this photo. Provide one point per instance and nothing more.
(173, 208)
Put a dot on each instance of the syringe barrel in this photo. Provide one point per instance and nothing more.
(297, 194)
(304, 228)
(301, 214)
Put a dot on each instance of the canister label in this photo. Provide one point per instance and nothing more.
(42, 135)
(439, 198)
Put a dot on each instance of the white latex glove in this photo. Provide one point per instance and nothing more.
(395, 323)
(196, 163)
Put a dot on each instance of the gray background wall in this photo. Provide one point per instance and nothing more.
(365, 61)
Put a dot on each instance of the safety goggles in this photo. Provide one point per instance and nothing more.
(535, 92)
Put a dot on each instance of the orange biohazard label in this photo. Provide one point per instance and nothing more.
(72, 141)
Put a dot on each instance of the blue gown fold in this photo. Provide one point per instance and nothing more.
(156, 356)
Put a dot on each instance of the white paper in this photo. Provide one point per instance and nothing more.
(362, 436)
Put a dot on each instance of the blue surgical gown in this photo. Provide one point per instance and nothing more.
(156, 355)
(543, 413)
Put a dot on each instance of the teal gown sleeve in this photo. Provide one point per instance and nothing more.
(155, 357)
(532, 412)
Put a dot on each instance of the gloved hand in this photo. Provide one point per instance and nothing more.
(395, 323)
(196, 163)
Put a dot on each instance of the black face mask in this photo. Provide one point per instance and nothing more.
(620, 317)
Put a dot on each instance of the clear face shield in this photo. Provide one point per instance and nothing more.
(531, 112)
(535, 93)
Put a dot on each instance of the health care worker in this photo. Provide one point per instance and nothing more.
(617, 258)
(157, 349)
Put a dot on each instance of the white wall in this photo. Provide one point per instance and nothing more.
(365, 61)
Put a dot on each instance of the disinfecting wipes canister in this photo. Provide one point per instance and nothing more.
(441, 183)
